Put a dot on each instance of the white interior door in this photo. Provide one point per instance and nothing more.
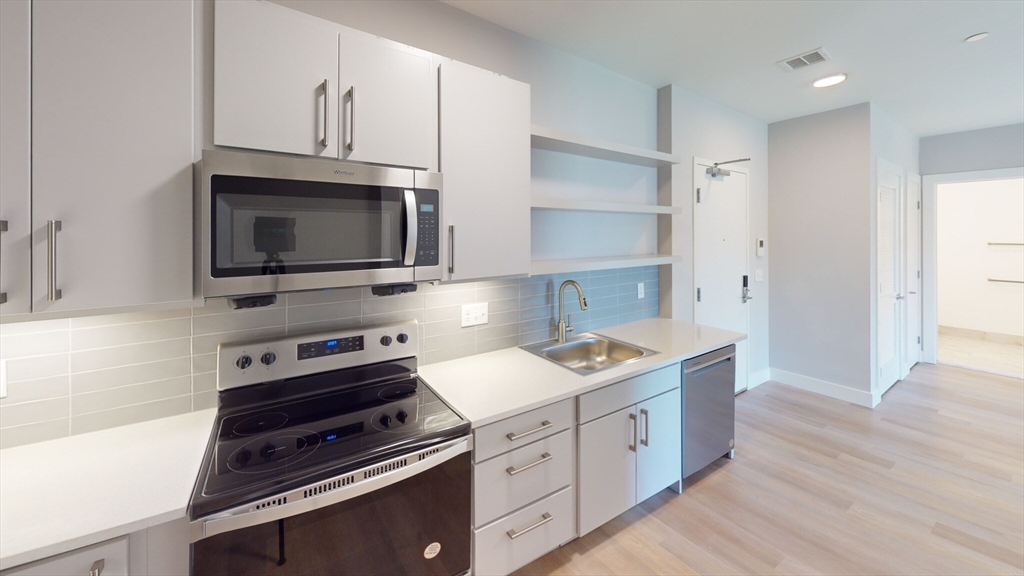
(889, 339)
(720, 255)
(912, 342)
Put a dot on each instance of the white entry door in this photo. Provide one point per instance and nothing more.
(912, 341)
(889, 339)
(720, 255)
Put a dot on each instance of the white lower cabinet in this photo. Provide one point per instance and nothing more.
(108, 558)
(520, 538)
(631, 454)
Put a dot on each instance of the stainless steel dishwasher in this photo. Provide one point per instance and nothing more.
(709, 408)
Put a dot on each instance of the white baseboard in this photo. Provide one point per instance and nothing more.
(755, 379)
(830, 389)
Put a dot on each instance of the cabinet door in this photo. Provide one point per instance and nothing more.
(659, 453)
(607, 476)
(15, 122)
(388, 102)
(485, 159)
(270, 66)
(112, 153)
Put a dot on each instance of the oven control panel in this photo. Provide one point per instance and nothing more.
(266, 360)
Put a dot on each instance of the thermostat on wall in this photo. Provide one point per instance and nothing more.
(760, 247)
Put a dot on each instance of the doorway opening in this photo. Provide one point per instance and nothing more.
(979, 255)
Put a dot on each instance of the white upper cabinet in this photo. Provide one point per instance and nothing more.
(15, 153)
(112, 150)
(275, 80)
(485, 158)
(388, 102)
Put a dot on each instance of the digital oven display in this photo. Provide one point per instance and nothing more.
(309, 350)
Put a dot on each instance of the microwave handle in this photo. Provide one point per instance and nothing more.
(411, 227)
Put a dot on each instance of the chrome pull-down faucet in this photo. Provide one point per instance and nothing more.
(562, 328)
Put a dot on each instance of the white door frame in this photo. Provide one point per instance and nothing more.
(700, 164)
(896, 171)
(911, 350)
(929, 251)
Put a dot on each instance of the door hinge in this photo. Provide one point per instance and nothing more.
(918, 204)
(698, 294)
(918, 274)
(698, 195)
(918, 339)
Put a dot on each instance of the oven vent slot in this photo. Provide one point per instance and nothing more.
(271, 503)
(428, 454)
(385, 468)
(328, 486)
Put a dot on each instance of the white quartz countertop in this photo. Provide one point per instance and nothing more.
(63, 494)
(489, 387)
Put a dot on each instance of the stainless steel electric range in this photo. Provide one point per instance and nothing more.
(329, 455)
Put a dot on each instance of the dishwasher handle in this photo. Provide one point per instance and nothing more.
(710, 359)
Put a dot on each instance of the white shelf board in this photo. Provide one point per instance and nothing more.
(558, 141)
(591, 206)
(538, 267)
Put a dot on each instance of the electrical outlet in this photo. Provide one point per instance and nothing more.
(640, 290)
(3, 378)
(474, 314)
(758, 275)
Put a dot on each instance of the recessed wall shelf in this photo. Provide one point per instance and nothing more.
(538, 267)
(591, 206)
(558, 141)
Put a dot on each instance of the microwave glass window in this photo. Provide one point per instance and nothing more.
(261, 228)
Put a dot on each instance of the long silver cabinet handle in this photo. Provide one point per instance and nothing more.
(543, 426)
(3, 228)
(411, 228)
(632, 445)
(97, 567)
(512, 470)
(327, 112)
(52, 292)
(647, 427)
(451, 249)
(352, 119)
(543, 520)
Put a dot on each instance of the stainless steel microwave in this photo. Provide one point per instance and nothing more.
(280, 224)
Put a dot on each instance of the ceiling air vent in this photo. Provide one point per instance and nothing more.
(804, 60)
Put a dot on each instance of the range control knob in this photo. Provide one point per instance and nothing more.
(402, 416)
(385, 421)
(385, 340)
(268, 358)
(244, 361)
(268, 451)
(403, 338)
(242, 458)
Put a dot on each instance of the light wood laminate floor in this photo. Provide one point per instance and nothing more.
(929, 482)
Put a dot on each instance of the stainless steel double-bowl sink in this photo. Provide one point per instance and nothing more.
(588, 353)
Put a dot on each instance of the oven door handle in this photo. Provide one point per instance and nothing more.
(295, 502)
(412, 227)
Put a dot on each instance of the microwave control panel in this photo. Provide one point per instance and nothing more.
(428, 248)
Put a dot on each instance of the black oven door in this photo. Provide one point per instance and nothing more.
(418, 525)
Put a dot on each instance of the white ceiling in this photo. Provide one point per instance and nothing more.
(908, 57)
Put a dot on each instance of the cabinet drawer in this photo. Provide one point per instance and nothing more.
(628, 392)
(521, 476)
(113, 554)
(496, 552)
(520, 430)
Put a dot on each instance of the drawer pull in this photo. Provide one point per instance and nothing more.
(512, 470)
(97, 568)
(544, 520)
(543, 426)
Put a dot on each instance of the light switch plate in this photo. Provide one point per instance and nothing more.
(474, 314)
(3, 378)
(640, 290)
(758, 275)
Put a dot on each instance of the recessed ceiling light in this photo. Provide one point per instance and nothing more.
(976, 37)
(829, 80)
